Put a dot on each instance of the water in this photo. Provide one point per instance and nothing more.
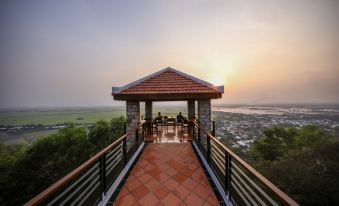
(279, 109)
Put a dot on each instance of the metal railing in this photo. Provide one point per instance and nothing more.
(87, 184)
(241, 183)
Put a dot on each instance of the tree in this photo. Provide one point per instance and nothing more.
(26, 171)
(311, 136)
(117, 126)
(103, 133)
(303, 163)
(9, 154)
(100, 134)
(275, 142)
(46, 161)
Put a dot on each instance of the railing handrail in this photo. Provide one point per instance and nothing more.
(70, 176)
(280, 194)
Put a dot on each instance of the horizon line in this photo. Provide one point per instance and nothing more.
(215, 104)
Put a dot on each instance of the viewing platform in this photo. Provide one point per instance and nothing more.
(165, 164)
(167, 174)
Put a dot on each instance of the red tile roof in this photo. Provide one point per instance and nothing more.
(165, 82)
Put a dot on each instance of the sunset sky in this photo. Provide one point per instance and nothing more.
(70, 53)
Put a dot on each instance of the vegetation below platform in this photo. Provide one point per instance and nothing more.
(30, 169)
(302, 162)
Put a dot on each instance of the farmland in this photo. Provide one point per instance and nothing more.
(27, 124)
(54, 116)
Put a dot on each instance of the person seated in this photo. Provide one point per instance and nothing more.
(159, 115)
(158, 119)
(180, 118)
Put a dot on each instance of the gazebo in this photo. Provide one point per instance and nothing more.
(168, 85)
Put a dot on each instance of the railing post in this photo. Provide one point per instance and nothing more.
(125, 127)
(227, 173)
(208, 149)
(102, 172)
(190, 128)
(199, 134)
(143, 131)
(213, 128)
(124, 151)
(193, 132)
(137, 137)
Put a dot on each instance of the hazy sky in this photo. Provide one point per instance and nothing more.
(70, 53)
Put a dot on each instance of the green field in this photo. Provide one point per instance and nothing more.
(58, 116)
(53, 116)
(32, 134)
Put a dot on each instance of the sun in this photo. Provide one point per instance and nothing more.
(216, 78)
(216, 81)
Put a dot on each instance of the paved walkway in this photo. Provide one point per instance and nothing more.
(167, 174)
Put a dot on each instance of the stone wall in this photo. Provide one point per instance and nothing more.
(148, 116)
(190, 109)
(132, 119)
(148, 110)
(204, 110)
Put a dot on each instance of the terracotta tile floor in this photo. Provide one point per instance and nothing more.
(167, 174)
(172, 134)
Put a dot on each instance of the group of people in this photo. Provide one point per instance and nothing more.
(180, 118)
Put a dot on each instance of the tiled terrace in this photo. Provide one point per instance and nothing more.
(167, 174)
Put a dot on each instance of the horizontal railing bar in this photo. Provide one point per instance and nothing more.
(280, 194)
(218, 156)
(221, 167)
(221, 157)
(113, 162)
(248, 187)
(79, 188)
(88, 194)
(117, 156)
(113, 156)
(70, 176)
(217, 149)
(85, 191)
(114, 150)
(263, 193)
(111, 168)
(74, 184)
(240, 194)
(244, 192)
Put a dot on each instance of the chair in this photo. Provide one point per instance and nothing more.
(170, 122)
(179, 122)
(185, 126)
(155, 125)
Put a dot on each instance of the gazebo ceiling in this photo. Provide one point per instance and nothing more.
(167, 85)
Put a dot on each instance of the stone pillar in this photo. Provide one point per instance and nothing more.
(132, 118)
(204, 110)
(148, 110)
(148, 115)
(191, 109)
